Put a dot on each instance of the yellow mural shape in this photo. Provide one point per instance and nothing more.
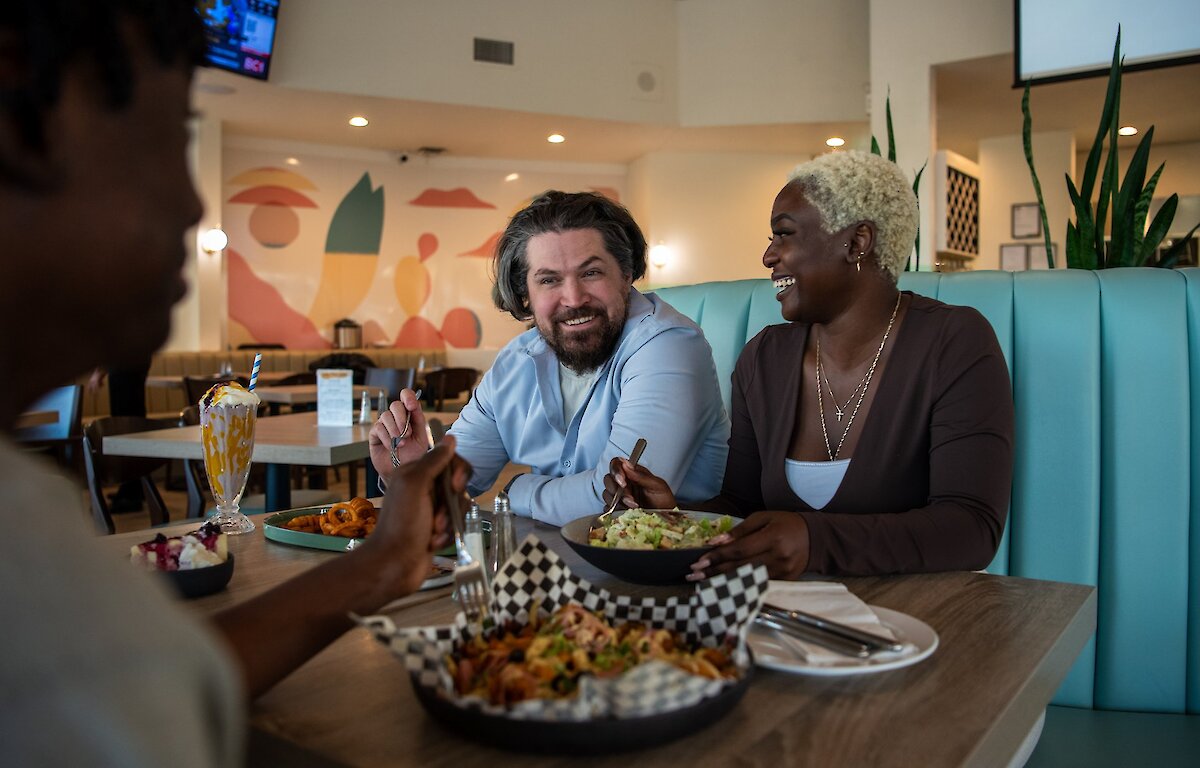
(412, 284)
(271, 177)
(345, 280)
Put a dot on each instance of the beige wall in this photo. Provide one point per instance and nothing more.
(713, 210)
(1005, 181)
(907, 39)
(772, 61)
(572, 57)
(198, 321)
(1182, 172)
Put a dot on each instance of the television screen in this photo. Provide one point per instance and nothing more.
(1066, 39)
(241, 34)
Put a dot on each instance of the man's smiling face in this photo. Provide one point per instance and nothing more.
(578, 295)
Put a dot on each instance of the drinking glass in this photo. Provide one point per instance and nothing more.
(227, 435)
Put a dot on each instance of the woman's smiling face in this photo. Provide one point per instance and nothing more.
(808, 265)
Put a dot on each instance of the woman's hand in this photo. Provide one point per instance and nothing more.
(391, 423)
(778, 540)
(413, 522)
(638, 486)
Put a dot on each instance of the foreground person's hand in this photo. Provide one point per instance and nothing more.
(414, 522)
(638, 486)
(778, 540)
(391, 424)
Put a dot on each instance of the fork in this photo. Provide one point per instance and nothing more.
(403, 434)
(470, 580)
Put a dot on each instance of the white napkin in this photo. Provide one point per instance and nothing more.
(829, 600)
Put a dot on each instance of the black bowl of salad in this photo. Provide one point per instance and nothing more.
(646, 546)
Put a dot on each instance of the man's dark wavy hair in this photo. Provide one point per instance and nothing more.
(556, 211)
(50, 34)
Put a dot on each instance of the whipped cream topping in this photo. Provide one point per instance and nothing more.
(229, 394)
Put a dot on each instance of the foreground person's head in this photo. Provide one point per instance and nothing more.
(95, 192)
(568, 261)
(843, 220)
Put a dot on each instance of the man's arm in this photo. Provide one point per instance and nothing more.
(478, 437)
(669, 395)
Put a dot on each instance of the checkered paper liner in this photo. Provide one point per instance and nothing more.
(536, 578)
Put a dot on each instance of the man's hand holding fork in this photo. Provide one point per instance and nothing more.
(399, 435)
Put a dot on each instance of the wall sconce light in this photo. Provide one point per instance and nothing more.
(661, 255)
(214, 240)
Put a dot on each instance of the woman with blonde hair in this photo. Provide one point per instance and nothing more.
(872, 432)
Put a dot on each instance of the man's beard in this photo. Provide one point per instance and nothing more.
(586, 351)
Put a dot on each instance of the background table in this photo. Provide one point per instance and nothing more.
(1006, 644)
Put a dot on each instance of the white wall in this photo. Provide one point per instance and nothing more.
(1181, 176)
(907, 39)
(1005, 181)
(572, 57)
(772, 61)
(713, 210)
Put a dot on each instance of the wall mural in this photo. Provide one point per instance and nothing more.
(403, 251)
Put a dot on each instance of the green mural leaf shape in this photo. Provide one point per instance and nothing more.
(357, 225)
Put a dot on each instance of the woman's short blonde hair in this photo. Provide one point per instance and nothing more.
(849, 187)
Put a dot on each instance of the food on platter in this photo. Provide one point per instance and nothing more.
(657, 529)
(546, 658)
(206, 546)
(351, 519)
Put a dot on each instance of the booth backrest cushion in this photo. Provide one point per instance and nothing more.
(1104, 491)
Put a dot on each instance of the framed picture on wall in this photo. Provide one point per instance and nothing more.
(1037, 255)
(1026, 220)
(1014, 257)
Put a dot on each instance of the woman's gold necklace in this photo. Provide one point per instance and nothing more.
(860, 390)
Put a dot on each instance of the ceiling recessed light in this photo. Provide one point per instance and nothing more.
(1127, 130)
(556, 138)
(512, 177)
(834, 141)
(292, 161)
(358, 121)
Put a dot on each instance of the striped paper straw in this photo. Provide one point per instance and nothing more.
(254, 371)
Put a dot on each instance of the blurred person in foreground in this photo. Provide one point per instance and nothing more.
(873, 432)
(98, 665)
(603, 366)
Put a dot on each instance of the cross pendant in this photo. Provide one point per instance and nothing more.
(839, 413)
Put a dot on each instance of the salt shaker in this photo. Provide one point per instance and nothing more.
(364, 409)
(473, 533)
(383, 401)
(504, 536)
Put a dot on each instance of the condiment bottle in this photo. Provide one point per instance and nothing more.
(364, 409)
(504, 535)
(473, 533)
(383, 401)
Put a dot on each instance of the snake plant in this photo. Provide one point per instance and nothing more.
(1131, 243)
(912, 264)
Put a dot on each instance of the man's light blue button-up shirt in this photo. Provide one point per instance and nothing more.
(660, 384)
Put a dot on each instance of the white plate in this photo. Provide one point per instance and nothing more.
(442, 579)
(773, 652)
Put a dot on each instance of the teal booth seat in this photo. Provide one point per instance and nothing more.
(1104, 491)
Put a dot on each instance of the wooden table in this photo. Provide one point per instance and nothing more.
(279, 442)
(36, 419)
(1006, 645)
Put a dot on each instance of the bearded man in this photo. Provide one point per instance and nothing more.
(603, 365)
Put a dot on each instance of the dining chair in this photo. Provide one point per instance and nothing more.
(102, 470)
(60, 438)
(391, 380)
(449, 383)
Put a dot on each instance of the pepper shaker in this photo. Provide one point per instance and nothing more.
(364, 409)
(504, 536)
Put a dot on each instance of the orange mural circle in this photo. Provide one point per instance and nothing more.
(461, 328)
(274, 225)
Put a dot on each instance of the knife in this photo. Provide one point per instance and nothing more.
(814, 636)
(872, 641)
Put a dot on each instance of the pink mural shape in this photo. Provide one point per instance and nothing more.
(427, 244)
(420, 333)
(461, 328)
(373, 334)
(487, 250)
(260, 308)
(459, 197)
(273, 196)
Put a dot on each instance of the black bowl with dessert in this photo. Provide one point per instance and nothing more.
(196, 563)
(646, 546)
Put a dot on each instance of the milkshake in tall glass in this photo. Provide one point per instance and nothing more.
(228, 414)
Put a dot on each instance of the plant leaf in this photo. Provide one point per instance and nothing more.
(1161, 224)
(1106, 119)
(891, 135)
(1073, 247)
(875, 146)
(1141, 210)
(916, 258)
(1027, 142)
(1172, 254)
(1125, 208)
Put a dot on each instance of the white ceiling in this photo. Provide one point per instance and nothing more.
(974, 100)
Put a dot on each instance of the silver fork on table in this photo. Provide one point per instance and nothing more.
(470, 580)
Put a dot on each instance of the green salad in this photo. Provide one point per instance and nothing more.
(647, 529)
